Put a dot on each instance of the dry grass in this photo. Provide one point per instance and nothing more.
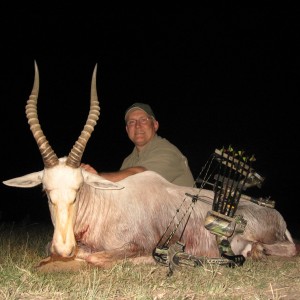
(21, 248)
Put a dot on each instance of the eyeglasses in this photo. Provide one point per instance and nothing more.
(141, 121)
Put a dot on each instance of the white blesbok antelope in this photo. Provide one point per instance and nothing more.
(102, 222)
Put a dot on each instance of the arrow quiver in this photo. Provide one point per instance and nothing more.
(231, 173)
(228, 173)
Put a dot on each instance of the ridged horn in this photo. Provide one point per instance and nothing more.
(74, 157)
(49, 157)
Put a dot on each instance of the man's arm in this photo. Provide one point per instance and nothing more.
(115, 176)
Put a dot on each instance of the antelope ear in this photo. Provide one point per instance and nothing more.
(99, 182)
(26, 181)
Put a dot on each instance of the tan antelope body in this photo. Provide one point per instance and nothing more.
(102, 221)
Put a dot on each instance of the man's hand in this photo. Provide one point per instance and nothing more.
(88, 168)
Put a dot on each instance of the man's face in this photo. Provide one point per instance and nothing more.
(140, 127)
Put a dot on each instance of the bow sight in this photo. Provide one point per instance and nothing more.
(228, 173)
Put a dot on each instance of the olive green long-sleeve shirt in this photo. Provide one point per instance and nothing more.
(163, 157)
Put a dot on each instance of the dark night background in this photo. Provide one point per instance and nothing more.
(214, 76)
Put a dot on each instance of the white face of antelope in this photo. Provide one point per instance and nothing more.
(61, 183)
(61, 178)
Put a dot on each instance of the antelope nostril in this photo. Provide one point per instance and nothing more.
(72, 252)
(54, 250)
(66, 254)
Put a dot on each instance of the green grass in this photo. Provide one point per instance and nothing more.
(21, 249)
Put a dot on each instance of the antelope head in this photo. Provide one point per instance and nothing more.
(63, 177)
